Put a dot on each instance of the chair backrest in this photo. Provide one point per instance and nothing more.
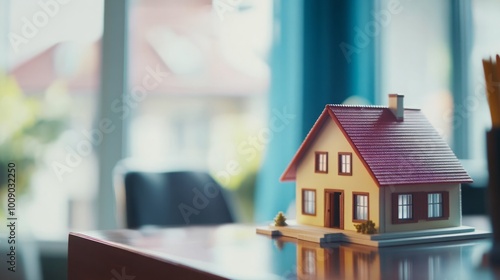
(174, 199)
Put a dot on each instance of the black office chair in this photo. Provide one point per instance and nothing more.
(172, 199)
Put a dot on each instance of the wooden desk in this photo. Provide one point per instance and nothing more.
(236, 252)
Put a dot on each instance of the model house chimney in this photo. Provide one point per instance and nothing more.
(396, 105)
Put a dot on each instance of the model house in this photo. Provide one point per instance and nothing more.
(384, 164)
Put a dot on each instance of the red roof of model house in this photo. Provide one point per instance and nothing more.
(395, 152)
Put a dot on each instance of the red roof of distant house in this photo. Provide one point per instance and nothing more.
(394, 152)
(192, 21)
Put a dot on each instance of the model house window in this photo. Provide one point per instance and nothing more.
(434, 205)
(345, 162)
(309, 202)
(405, 206)
(321, 162)
(360, 206)
(416, 206)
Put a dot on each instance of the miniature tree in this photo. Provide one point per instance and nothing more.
(367, 227)
(370, 227)
(280, 220)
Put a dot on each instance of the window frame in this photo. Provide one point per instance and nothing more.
(409, 205)
(395, 208)
(445, 206)
(420, 207)
(304, 202)
(317, 162)
(341, 163)
(354, 206)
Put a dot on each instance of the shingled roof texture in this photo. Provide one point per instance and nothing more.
(399, 152)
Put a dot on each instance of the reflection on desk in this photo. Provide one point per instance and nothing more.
(235, 251)
(432, 261)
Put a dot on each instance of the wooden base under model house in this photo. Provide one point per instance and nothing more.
(384, 164)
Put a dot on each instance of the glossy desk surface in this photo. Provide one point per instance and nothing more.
(237, 252)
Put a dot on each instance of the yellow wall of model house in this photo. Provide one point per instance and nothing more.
(332, 140)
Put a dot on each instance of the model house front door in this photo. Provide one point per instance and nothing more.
(334, 209)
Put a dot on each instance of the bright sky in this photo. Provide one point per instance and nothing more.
(77, 21)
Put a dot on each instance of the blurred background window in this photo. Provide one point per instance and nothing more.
(431, 52)
(210, 99)
(485, 38)
(49, 81)
(416, 60)
(205, 97)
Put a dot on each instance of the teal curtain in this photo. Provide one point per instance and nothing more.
(316, 59)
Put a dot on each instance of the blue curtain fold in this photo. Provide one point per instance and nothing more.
(316, 59)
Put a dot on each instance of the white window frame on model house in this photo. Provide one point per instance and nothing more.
(434, 205)
(345, 163)
(360, 207)
(309, 202)
(321, 162)
(405, 206)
